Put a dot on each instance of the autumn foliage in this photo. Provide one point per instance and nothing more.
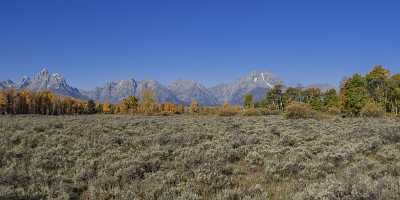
(374, 94)
(44, 102)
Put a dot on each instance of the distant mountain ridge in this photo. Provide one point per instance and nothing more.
(322, 87)
(45, 81)
(113, 91)
(6, 84)
(187, 91)
(257, 83)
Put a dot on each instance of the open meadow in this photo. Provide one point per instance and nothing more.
(198, 157)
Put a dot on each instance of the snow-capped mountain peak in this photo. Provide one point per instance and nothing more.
(256, 83)
(46, 81)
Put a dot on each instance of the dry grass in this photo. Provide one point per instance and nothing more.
(298, 110)
(198, 157)
(251, 112)
(372, 110)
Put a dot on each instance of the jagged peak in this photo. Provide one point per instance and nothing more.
(126, 81)
(183, 81)
(44, 71)
(119, 82)
(264, 77)
(187, 84)
(150, 82)
(259, 72)
(24, 81)
(9, 82)
(57, 76)
(25, 77)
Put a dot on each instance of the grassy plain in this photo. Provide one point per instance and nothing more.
(198, 157)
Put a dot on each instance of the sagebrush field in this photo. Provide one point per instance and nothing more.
(198, 157)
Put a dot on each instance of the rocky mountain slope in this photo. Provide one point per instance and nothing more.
(187, 91)
(322, 87)
(113, 91)
(162, 93)
(256, 83)
(179, 92)
(45, 81)
(6, 84)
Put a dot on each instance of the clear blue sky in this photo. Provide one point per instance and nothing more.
(213, 41)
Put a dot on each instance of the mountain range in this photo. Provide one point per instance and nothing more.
(179, 91)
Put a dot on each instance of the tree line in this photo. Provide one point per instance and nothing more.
(43, 102)
(14, 101)
(378, 88)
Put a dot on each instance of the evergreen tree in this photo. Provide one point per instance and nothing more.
(130, 104)
(248, 101)
(292, 94)
(3, 103)
(91, 107)
(274, 97)
(331, 99)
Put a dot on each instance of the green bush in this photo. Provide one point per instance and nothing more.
(299, 111)
(372, 110)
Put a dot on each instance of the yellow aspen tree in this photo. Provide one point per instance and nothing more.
(120, 108)
(3, 103)
(149, 102)
(106, 108)
(225, 105)
(169, 107)
(180, 109)
(123, 106)
(24, 101)
(194, 107)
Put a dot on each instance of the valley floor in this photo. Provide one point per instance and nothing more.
(198, 157)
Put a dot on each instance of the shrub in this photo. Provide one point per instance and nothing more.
(58, 125)
(39, 129)
(208, 111)
(165, 113)
(299, 111)
(269, 111)
(228, 110)
(251, 112)
(332, 110)
(372, 110)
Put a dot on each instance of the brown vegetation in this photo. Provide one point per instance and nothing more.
(198, 157)
(299, 110)
(372, 110)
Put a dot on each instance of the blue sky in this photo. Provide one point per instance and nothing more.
(214, 41)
